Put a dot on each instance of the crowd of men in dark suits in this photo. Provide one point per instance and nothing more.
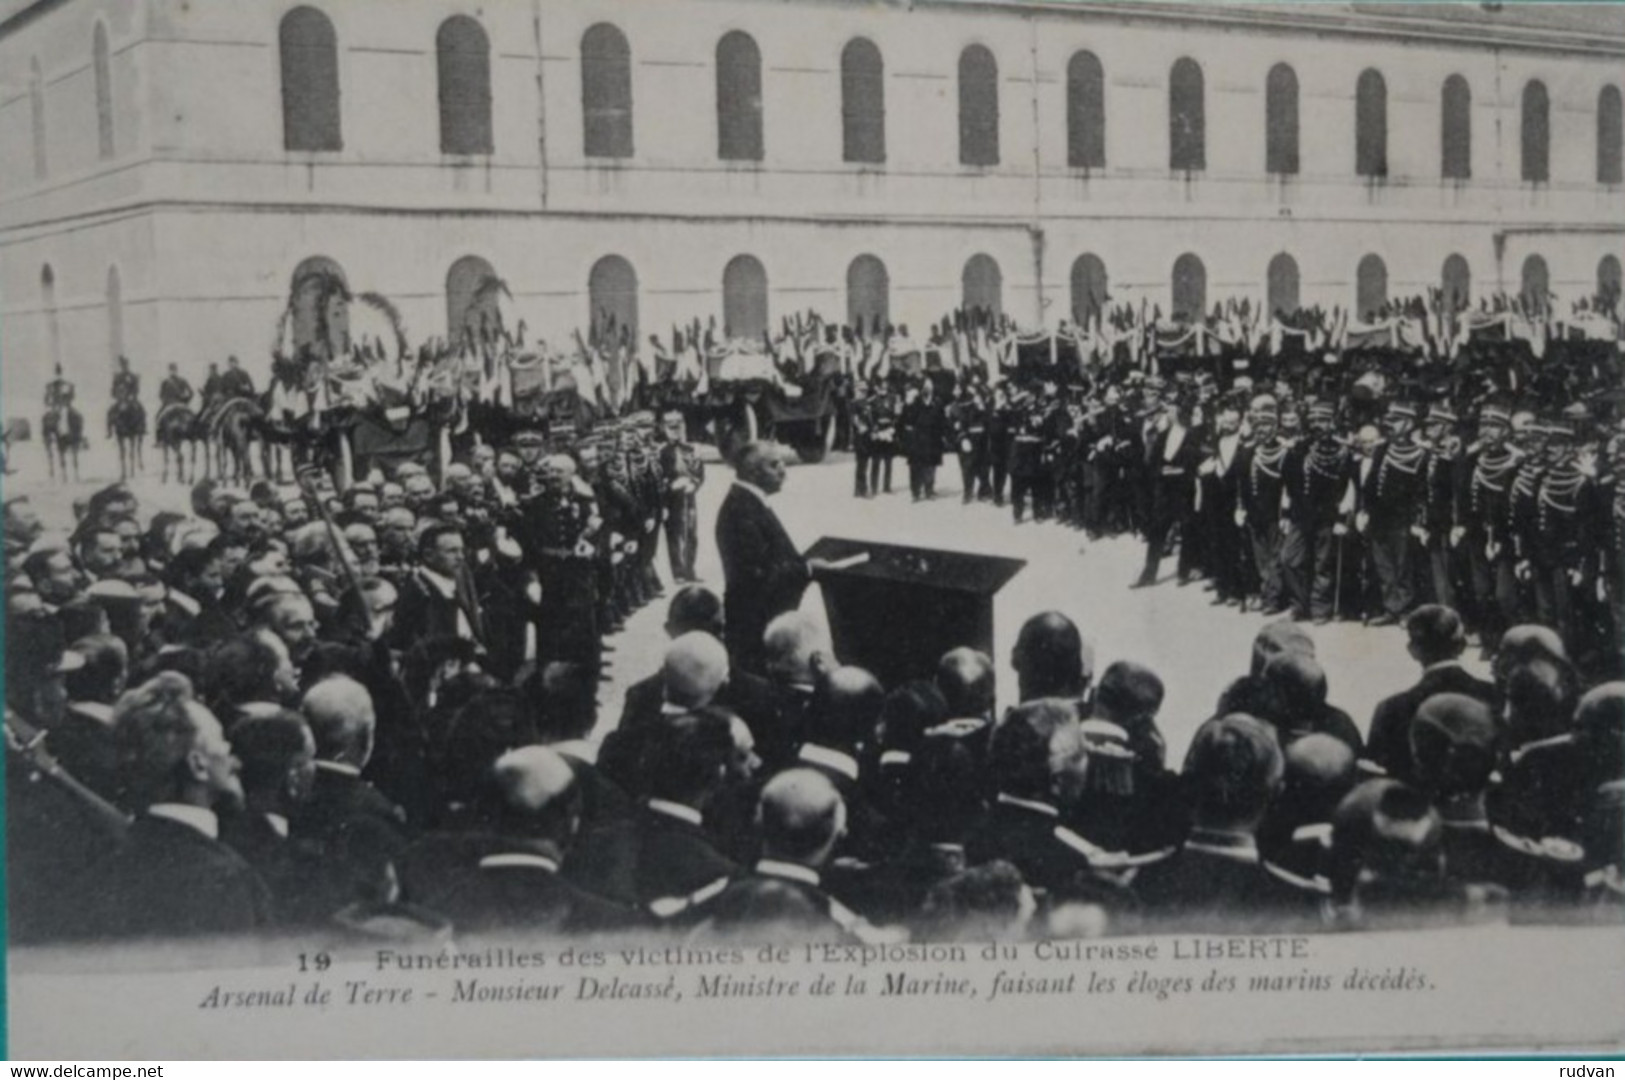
(1336, 504)
(373, 715)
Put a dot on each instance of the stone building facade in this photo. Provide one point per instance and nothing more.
(168, 166)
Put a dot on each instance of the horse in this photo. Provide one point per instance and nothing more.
(231, 435)
(178, 429)
(63, 432)
(128, 420)
(282, 442)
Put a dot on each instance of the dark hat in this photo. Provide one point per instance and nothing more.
(1402, 409)
(1441, 414)
(1494, 414)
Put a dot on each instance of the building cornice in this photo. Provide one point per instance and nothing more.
(27, 13)
(1403, 25)
(1017, 222)
(1329, 19)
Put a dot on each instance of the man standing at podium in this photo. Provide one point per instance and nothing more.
(764, 574)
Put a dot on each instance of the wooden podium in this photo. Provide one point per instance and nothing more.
(896, 612)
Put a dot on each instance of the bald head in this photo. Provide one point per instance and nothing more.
(1523, 644)
(1050, 658)
(536, 793)
(753, 458)
(1320, 762)
(1296, 688)
(694, 607)
(802, 816)
(1129, 693)
(797, 649)
(694, 669)
(848, 708)
(557, 470)
(965, 680)
(532, 777)
(1281, 636)
(341, 718)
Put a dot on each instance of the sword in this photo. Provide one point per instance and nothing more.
(1337, 587)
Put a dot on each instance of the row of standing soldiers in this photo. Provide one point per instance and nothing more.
(581, 516)
(1320, 508)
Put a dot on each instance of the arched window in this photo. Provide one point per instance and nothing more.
(863, 103)
(1371, 125)
(1456, 132)
(1089, 295)
(473, 292)
(1608, 281)
(1609, 132)
(36, 114)
(102, 67)
(1457, 283)
(978, 107)
(463, 60)
(310, 81)
(115, 314)
(1536, 284)
(606, 93)
(1281, 121)
(739, 98)
(320, 299)
(981, 285)
(1537, 133)
(1283, 285)
(1085, 112)
(1187, 117)
(1371, 287)
(53, 332)
(744, 298)
(612, 298)
(1190, 288)
(868, 293)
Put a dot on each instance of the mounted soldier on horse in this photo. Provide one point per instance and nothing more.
(127, 419)
(63, 429)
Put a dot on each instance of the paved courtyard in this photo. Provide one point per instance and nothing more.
(1196, 647)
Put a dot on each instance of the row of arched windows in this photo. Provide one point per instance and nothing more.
(312, 114)
(310, 90)
(612, 287)
(113, 298)
(101, 68)
(312, 119)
